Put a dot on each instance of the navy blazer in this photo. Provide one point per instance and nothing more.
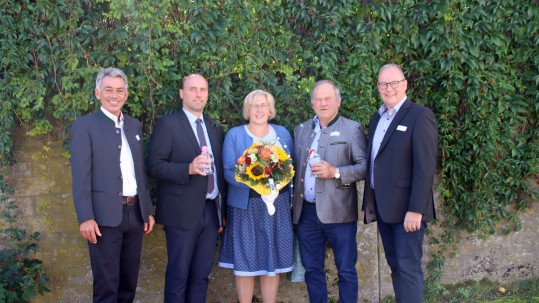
(404, 167)
(95, 164)
(173, 145)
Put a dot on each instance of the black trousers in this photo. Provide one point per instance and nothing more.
(190, 258)
(115, 258)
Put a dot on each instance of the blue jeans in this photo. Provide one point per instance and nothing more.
(312, 235)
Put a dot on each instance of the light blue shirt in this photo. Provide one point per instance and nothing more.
(381, 130)
(192, 121)
(309, 191)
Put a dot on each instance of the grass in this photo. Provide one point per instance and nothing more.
(484, 291)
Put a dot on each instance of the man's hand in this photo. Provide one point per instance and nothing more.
(222, 227)
(412, 221)
(148, 227)
(199, 163)
(323, 170)
(89, 230)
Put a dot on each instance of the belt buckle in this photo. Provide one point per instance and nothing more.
(130, 200)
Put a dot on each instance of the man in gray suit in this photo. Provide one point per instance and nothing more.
(110, 191)
(325, 200)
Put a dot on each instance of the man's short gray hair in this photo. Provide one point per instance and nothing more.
(390, 65)
(110, 72)
(335, 87)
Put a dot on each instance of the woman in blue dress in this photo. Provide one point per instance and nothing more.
(256, 243)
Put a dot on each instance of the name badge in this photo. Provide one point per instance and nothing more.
(334, 134)
(402, 128)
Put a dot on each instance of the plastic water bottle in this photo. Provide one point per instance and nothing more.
(313, 159)
(206, 152)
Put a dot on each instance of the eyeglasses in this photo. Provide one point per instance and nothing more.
(259, 106)
(393, 84)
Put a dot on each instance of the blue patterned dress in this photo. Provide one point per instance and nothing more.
(255, 243)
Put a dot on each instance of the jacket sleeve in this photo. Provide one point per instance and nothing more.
(424, 144)
(357, 170)
(160, 164)
(232, 150)
(81, 170)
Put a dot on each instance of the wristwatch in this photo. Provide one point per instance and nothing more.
(337, 173)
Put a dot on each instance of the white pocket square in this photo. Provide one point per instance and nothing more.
(402, 128)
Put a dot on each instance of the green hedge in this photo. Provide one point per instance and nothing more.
(475, 63)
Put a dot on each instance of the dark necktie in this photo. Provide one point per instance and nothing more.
(202, 140)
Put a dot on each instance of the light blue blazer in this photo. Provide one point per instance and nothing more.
(236, 141)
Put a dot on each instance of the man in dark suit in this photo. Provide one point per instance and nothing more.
(188, 199)
(110, 191)
(398, 190)
(325, 206)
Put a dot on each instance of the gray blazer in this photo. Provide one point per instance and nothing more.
(342, 144)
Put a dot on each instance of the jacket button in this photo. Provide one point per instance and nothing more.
(117, 132)
(120, 146)
(120, 194)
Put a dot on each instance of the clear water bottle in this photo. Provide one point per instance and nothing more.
(314, 158)
(206, 152)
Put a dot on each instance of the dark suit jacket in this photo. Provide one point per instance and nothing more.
(173, 145)
(95, 164)
(404, 167)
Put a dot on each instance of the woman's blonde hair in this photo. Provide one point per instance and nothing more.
(250, 97)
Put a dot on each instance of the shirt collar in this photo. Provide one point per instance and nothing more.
(395, 109)
(191, 117)
(316, 122)
(115, 119)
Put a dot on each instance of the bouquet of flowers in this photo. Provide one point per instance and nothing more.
(266, 168)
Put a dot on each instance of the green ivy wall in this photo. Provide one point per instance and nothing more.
(474, 63)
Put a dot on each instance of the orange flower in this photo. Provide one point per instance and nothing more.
(265, 153)
(241, 160)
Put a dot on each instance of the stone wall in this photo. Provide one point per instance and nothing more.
(42, 182)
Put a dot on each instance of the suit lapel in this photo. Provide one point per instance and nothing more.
(212, 132)
(307, 140)
(188, 130)
(396, 121)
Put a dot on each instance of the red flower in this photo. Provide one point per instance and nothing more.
(248, 160)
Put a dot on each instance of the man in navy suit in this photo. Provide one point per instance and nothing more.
(402, 144)
(110, 191)
(188, 199)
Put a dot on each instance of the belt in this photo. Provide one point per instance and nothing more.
(133, 200)
(307, 202)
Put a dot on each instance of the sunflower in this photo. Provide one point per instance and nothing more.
(255, 171)
(283, 156)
